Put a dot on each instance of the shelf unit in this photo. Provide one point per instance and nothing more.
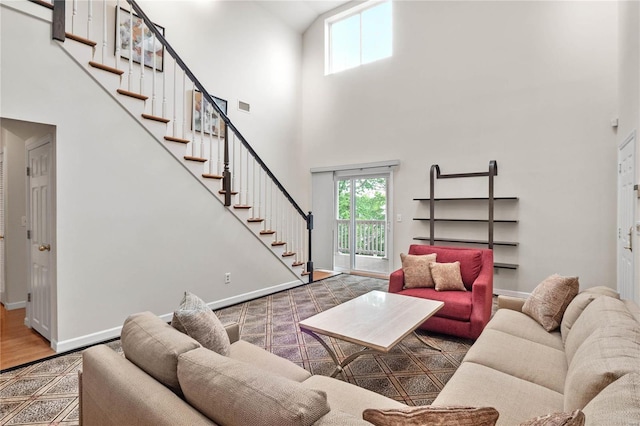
(490, 221)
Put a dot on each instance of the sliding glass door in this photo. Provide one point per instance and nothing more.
(362, 228)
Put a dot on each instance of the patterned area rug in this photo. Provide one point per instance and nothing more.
(47, 392)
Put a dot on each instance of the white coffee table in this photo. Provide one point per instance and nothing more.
(377, 320)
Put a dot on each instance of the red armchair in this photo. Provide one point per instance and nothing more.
(465, 313)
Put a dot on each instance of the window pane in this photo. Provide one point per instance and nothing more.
(376, 33)
(345, 44)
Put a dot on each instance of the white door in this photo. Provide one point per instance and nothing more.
(626, 215)
(39, 211)
(2, 278)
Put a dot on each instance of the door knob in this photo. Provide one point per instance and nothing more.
(44, 247)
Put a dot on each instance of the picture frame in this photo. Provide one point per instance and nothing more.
(212, 125)
(145, 44)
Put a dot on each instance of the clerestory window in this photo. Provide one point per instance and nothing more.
(358, 36)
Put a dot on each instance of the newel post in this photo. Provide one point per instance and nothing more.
(58, 24)
(309, 261)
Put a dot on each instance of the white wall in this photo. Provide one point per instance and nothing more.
(134, 229)
(629, 91)
(529, 84)
(239, 51)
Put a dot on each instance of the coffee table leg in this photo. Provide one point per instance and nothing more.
(339, 365)
(431, 345)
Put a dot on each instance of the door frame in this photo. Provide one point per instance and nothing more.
(384, 172)
(31, 144)
(631, 139)
(3, 260)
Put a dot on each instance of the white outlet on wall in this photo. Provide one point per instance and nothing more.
(227, 278)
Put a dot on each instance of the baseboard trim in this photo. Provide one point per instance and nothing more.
(105, 335)
(230, 301)
(15, 305)
(512, 293)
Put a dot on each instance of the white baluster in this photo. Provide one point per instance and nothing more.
(175, 99)
(141, 56)
(73, 16)
(130, 88)
(193, 119)
(204, 111)
(152, 40)
(184, 106)
(118, 41)
(219, 171)
(164, 86)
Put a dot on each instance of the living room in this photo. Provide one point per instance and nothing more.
(536, 100)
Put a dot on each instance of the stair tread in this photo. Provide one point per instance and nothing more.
(267, 232)
(222, 191)
(288, 254)
(106, 68)
(174, 139)
(241, 206)
(297, 264)
(198, 159)
(211, 176)
(255, 220)
(155, 118)
(80, 39)
(132, 94)
(278, 243)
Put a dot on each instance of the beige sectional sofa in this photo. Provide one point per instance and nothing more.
(591, 363)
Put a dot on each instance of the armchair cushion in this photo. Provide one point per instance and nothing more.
(457, 304)
(470, 260)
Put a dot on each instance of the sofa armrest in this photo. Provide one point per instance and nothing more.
(482, 295)
(233, 331)
(396, 281)
(508, 302)
(116, 392)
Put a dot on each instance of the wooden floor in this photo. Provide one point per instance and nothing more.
(18, 343)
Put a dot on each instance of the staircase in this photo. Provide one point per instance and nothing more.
(176, 109)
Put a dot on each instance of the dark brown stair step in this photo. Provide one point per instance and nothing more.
(267, 232)
(297, 264)
(288, 254)
(132, 94)
(198, 159)
(222, 191)
(80, 39)
(155, 118)
(306, 273)
(241, 206)
(278, 243)
(106, 68)
(255, 220)
(174, 139)
(210, 176)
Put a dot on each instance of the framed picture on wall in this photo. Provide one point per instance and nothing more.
(137, 38)
(205, 118)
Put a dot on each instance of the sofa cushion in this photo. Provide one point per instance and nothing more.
(470, 259)
(549, 299)
(154, 346)
(573, 311)
(575, 418)
(525, 327)
(349, 398)
(518, 357)
(515, 399)
(197, 320)
(416, 270)
(601, 312)
(339, 418)
(457, 304)
(266, 361)
(616, 405)
(432, 415)
(447, 276)
(234, 393)
(606, 355)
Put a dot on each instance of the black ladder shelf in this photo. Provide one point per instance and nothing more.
(491, 221)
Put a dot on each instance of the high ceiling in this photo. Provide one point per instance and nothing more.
(299, 14)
